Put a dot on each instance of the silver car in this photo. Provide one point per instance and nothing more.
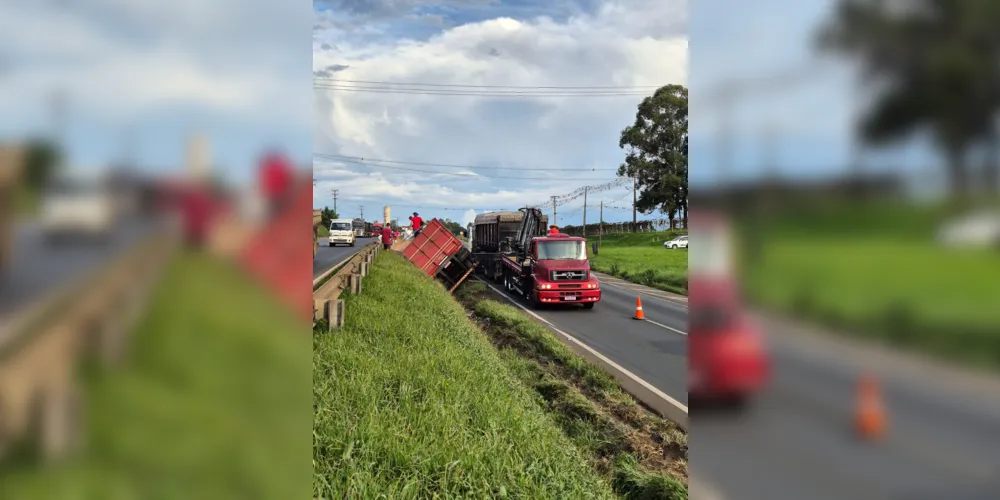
(678, 242)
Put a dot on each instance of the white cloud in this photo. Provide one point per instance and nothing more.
(118, 61)
(622, 43)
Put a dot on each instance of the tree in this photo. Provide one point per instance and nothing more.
(42, 159)
(656, 147)
(453, 226)
(328, 215)
(936, 65)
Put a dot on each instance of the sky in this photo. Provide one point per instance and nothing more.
(140, 76)
(794, 113)
(547, 146)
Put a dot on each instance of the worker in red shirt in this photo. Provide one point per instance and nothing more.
(276, 181)
(417, 223)
(386, 237)
(553, 229)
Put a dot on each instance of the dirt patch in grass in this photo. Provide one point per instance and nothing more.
(642, 454)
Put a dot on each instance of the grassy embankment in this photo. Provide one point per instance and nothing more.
(214, 401)
(641, 258)
(877, 271)
(412, 401)
(643, 455)
(324, 232)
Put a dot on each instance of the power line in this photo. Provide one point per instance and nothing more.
(447, 165)
(479, 93)
(469, 176)
(531, 87)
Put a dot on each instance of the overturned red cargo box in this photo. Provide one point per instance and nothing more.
(438, 253)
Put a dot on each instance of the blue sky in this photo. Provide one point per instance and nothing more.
(800, 119)
(483, 42)
(142, 76)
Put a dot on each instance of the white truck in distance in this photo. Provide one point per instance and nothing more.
(342, 232)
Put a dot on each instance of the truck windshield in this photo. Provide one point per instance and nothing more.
(562, 250)
(340, 226)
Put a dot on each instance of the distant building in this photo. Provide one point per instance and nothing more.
(198, 158)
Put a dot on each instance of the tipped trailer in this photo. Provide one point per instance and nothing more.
(543, 268)
(440, 254)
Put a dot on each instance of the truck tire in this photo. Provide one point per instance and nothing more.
(589, 305)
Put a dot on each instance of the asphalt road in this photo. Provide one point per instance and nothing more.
(796, 442)
(327, 256)
(655, 350)
(38, 266)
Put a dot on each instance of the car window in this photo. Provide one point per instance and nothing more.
(340, 226)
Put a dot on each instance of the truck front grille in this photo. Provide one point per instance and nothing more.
(579, 275)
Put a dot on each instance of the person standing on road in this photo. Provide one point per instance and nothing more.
(386, 237)
(417, 224)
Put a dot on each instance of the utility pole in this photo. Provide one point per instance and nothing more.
(633, 205)
(585, 211)
(362, 208)
(600, 231)
(554, 210)
(334, 192)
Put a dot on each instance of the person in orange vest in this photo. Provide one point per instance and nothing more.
(386, 237)
(553, 229)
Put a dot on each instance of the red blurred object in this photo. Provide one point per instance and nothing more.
(727, 356)
(279, 255)
(276, 176)
(432, 247)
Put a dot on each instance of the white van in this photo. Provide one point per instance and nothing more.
(341, 231)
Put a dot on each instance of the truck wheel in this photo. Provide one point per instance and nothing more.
(589, 305)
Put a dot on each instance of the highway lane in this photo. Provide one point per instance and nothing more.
(38, 267)
(655, 353)
(796, 441)
(327, 256)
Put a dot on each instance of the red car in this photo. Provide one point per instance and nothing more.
(727, 355)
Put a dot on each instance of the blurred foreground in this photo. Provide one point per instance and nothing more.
(866, 235)
(136, 359)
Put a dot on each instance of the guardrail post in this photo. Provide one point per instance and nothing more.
(364, 269)
(354, 281)
(330, 310)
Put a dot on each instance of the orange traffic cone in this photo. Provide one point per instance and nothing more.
(870, 417)
(638, 309)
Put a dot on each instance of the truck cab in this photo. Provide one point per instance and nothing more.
(728, 359)
(342, 231)
(558, 272)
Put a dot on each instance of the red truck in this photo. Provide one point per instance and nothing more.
(727, 358)
(544, 268)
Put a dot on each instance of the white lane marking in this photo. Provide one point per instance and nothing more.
(623, 285)
(661, 325)
(600, 356)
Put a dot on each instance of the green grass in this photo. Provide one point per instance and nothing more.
(213, 403)
(641, 258)
(412, 401)
(587, 404)
(324, 232)
(883, 278)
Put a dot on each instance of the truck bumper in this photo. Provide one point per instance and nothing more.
(580, 296)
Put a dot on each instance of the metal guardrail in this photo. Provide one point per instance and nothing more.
(43, 348)
(327, 304)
